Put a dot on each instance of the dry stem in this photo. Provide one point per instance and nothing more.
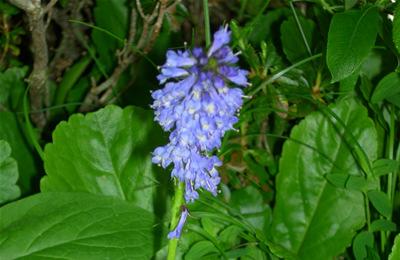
(37, 80)
(101, 94)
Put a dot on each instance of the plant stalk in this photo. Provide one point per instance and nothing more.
(206, 23)
(176, 209)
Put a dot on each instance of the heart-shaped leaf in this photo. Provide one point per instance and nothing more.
(74, 226)
(311, 214)
(107, 152)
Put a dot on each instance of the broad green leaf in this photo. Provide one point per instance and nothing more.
(395, 254)
(381, 202)
(383, 225)
(311, 215)
(396, 28)
(292, 41)
(10, 132)
(361, 243)
(107, 152)
(388, 87)
(351, 36)
(105, 44)
(384, 166)
(8, 174)
(74, 226)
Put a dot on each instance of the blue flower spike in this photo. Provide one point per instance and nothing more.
(198, 104)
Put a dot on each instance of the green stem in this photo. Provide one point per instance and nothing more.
(367, 211)
(395, 174)
(390, 150)
(391, 181)
(176, 209)
(206, 23)
(300, 28)
(29, 127)
(242, 9)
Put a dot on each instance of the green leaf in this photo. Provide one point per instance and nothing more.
(346, 181)
(360, 244)
(12, 86)
(395, 254)
(351, 36)
(118, 25)
(107, 152)
(74, 226)
(201, 249)
(262, 26)
(230, 236)
(311, 215)
(292, 41)
(396, 28)
(70, 78)
(210, 226)
(8, 9)
(8, 174)
(395, 100)
(384, 166)
(347, 85)
(254, 253)
(10, 132)
(381, 202)
(249, 202)
(348, 4)
(388, 87)
(383, 225)
(372, 65)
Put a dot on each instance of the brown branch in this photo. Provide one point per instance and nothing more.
(37, 80)
(152, 23)
(125, 58)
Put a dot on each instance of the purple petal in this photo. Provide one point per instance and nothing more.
(221, 38)
(176, 233)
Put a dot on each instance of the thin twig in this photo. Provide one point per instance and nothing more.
(25, 5)
(151, 27)
(49, 6)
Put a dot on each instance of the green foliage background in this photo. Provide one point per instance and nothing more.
(311, 173)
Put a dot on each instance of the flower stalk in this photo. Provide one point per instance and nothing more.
(206, 23)
(175, 211)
